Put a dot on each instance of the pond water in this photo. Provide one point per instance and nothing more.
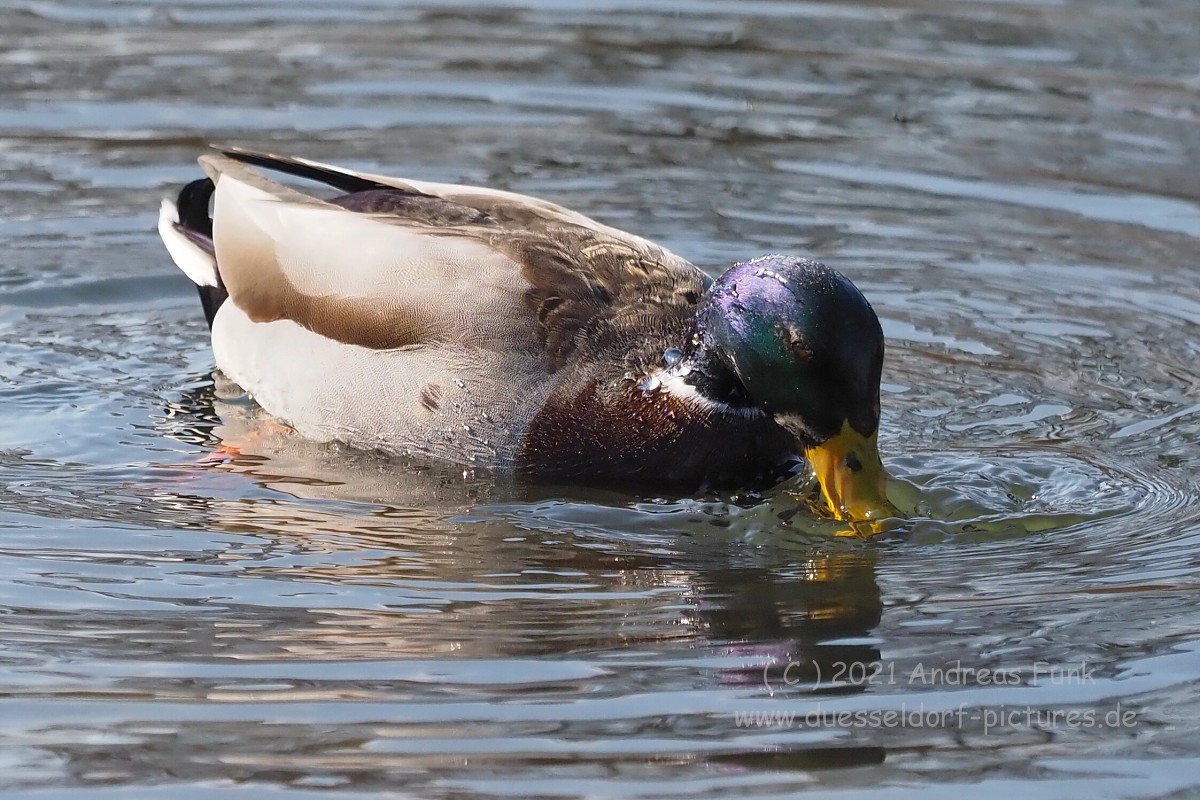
(193, 601)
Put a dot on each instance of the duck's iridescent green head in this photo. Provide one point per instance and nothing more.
(800, 341)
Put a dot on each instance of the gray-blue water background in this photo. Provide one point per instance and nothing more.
(194, 604)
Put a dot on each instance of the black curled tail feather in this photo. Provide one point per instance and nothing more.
(196, 224)
(193, 208)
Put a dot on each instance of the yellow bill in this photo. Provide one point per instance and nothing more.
(853, 480)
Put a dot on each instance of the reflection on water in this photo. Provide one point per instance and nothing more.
(193, 600)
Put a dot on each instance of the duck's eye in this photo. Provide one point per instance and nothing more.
(801, 351)
(799, 348)
(852, 462)
(797, 344)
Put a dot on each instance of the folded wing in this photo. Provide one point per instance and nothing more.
(394, 263)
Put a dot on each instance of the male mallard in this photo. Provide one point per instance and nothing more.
(493, 329)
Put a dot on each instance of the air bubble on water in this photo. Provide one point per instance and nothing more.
(672, 356)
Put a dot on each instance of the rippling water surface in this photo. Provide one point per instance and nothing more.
(192, 601)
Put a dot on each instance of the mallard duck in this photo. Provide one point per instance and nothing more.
(497, 330)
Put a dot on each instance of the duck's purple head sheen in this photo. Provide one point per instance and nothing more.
(798, 340)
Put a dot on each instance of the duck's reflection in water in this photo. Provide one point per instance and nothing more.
(802, 620)
(441, 524)
(435, 564)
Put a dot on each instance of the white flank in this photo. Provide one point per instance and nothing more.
(187, 255)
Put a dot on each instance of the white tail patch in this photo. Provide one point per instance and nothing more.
(187, 255)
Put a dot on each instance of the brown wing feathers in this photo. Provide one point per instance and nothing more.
(584, 288)
(582, 281)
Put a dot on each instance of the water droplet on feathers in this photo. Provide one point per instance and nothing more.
(650, 383)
